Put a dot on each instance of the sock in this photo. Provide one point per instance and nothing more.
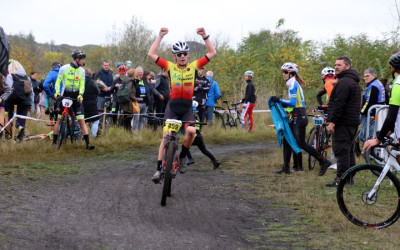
(86, 137)
(159, 165)
(55, 138)
(183, 152)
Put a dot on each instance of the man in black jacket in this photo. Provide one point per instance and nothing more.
(344, 116)
(200, 95)
(249, 100)
(163, 87)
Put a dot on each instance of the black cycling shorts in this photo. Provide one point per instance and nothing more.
(76, 107)
(180, 112)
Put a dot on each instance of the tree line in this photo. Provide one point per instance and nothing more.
(262, 52)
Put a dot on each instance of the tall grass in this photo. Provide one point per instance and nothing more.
(117, 139)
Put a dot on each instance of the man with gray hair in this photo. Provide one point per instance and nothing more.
(373, 94)
(213, 95)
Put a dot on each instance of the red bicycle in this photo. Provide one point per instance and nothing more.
(68, 125)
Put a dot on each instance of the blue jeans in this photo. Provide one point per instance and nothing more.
(138, 120)
(363, 129)
(210, 110)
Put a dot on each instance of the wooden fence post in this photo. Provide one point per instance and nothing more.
(104, 121)
(14, 124)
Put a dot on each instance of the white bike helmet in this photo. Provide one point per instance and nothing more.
(180, 47)
(327, 71)
(289, 66)
(249, 73)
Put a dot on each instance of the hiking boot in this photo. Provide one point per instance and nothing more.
(190, 161)
(280, 171)
(324, 166)
(156, 177)
(334, 183)
(89, 146)
(216, 164)
(183, 165)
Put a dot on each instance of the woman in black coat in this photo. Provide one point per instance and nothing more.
(90, 101)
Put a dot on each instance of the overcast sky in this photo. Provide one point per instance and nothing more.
(89, 21)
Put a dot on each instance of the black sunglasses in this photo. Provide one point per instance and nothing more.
(180, 54)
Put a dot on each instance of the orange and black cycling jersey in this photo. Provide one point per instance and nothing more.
(182, 80)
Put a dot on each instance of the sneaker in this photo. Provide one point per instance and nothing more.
(297, 169)
(190, 161)
(333, 166)
(216, 164)
(89, 146)
(183, 166)
(324, 167)
(334, 183)
(281, 171)
(156, 177)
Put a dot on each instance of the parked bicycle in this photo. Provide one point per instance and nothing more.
(368, 194)
(68, 126)
(319, 138)
(230, 116)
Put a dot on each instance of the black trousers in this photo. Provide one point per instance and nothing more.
(198, 141)
(343, 147)
(298, 126)
(160, 106)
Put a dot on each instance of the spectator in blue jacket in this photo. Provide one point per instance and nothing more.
(213, 95)
(49, 83)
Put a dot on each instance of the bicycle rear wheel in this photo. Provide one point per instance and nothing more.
(379, 211)
(167, 175)
(62, 136)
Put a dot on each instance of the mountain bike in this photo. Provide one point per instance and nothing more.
(319, 138)
(170, 162)
(230, 116)
(368, 200)
(68, 126)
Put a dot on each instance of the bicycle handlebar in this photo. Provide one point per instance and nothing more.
(164, 119)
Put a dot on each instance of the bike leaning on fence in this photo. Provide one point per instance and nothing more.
(68, 125)
(369, 195)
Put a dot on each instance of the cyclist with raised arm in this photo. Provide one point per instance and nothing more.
(182, 75)
(72, 78)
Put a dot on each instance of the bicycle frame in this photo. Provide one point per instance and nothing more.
(174, 139)
(391, 163)
(70, 120)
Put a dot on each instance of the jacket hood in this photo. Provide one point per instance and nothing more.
(210, 78)
(350, 73)
(126, 79)
(20, 72)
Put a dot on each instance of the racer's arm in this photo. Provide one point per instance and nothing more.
(153, 49)
(82, 82)
(57, 85)
(248, 93)
(210, 47)
(390, 121)
(319, 95)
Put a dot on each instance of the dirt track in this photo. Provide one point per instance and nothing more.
(118, 207)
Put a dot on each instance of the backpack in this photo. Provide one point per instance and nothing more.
(27, 83)
(18, 90)
(123, 93)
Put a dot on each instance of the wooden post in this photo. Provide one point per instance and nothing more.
(104, 121)
(14, 124)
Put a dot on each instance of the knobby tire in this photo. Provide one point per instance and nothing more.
(170, 151)
(382, 210)
(62, 136)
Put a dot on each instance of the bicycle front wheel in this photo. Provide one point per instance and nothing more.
(381, 210)
(313, 141)
(62, 136)
(170, 151)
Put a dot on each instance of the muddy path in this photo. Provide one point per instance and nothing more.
(112, 204)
